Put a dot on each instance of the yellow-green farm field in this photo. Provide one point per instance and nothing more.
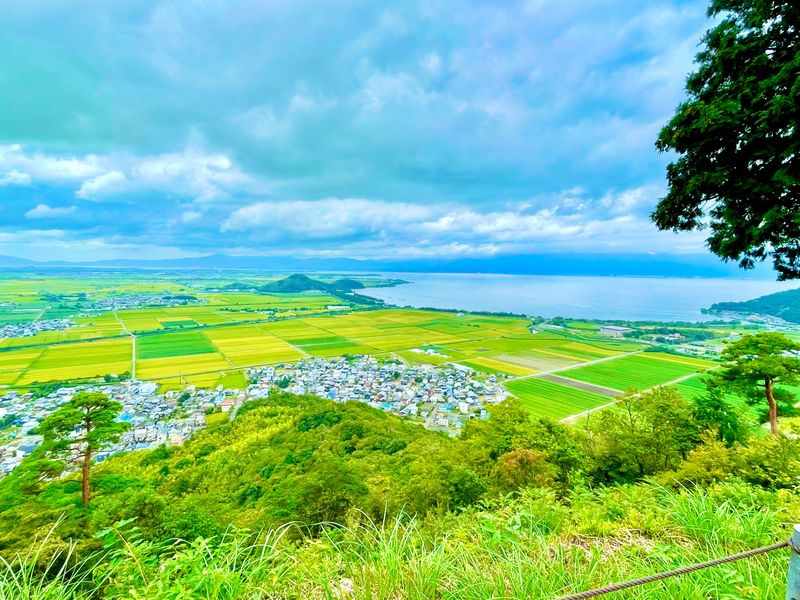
(187, 343)
(81, 360)
(490, 344)
(246, 346)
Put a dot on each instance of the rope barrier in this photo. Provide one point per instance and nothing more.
(682, 571)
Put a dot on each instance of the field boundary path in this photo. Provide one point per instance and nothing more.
(298, 348)
(587, 363)
(126, 331)
(582, 385)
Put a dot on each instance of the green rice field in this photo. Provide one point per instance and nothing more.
(691, 388)
(552, 400)
(637, 372)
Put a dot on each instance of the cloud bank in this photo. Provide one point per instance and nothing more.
(393, 129)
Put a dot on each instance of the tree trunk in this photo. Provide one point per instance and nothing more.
(87, 461)
(773, 408)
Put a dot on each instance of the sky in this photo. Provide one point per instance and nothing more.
(362, 129)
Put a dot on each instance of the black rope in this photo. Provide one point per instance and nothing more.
(682, 571)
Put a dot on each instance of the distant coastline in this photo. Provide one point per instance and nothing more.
(658, 299)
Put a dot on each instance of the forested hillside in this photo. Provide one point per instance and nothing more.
(342, 498)
(784, 305)
(303, 283)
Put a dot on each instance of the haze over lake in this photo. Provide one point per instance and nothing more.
(634, 298)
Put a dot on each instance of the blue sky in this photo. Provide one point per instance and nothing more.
(405, 129)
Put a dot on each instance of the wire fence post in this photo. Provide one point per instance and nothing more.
(793, 582)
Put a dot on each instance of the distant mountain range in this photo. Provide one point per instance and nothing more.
(642, 265)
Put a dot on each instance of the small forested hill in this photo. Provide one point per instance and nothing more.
(303, 283)
(345, 285)
(294, 284)
(784, 305)
(292, 459)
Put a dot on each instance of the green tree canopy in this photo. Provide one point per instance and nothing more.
(86, 423)
(738, 138)
(642, 434)
(759, 362)
(713, 411)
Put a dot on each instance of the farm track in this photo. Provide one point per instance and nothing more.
(581, 385)
(133, 357)
(125, 331)
(578, 365)
(288, 343)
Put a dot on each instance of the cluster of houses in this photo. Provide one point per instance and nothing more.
(155, 418)
(15, 330)
(440, 397)
(132, 301)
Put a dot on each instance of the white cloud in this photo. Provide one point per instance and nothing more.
(371, 227)
(264, 123)
(191, 216)
(629, 201)
(44, 167)
(192, 172)
(43, 211)
(111, 183)
(324, 219)
(15, 178)
(50, 244)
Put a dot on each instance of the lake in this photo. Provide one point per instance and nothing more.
(634, 298)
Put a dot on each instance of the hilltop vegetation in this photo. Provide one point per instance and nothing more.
(532, 545)
(422, 511)
(783, 305)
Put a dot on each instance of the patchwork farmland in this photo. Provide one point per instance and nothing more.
(214, 340)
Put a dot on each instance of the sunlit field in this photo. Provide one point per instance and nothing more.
(224, 331)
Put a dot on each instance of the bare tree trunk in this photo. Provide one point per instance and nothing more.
(773, 407)
(87, 461)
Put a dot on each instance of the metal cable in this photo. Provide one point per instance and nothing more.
(682, 571)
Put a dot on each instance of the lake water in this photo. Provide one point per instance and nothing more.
(634, 298)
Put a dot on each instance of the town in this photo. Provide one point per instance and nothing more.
(155, 418)
(134, 301)
(31, 328)
(441, 398)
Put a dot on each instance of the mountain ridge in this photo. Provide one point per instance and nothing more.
(621, 265)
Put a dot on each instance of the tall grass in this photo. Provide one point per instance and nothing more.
(43, 573)
(529, 547)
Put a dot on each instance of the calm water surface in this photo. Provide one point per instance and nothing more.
(635, 298)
